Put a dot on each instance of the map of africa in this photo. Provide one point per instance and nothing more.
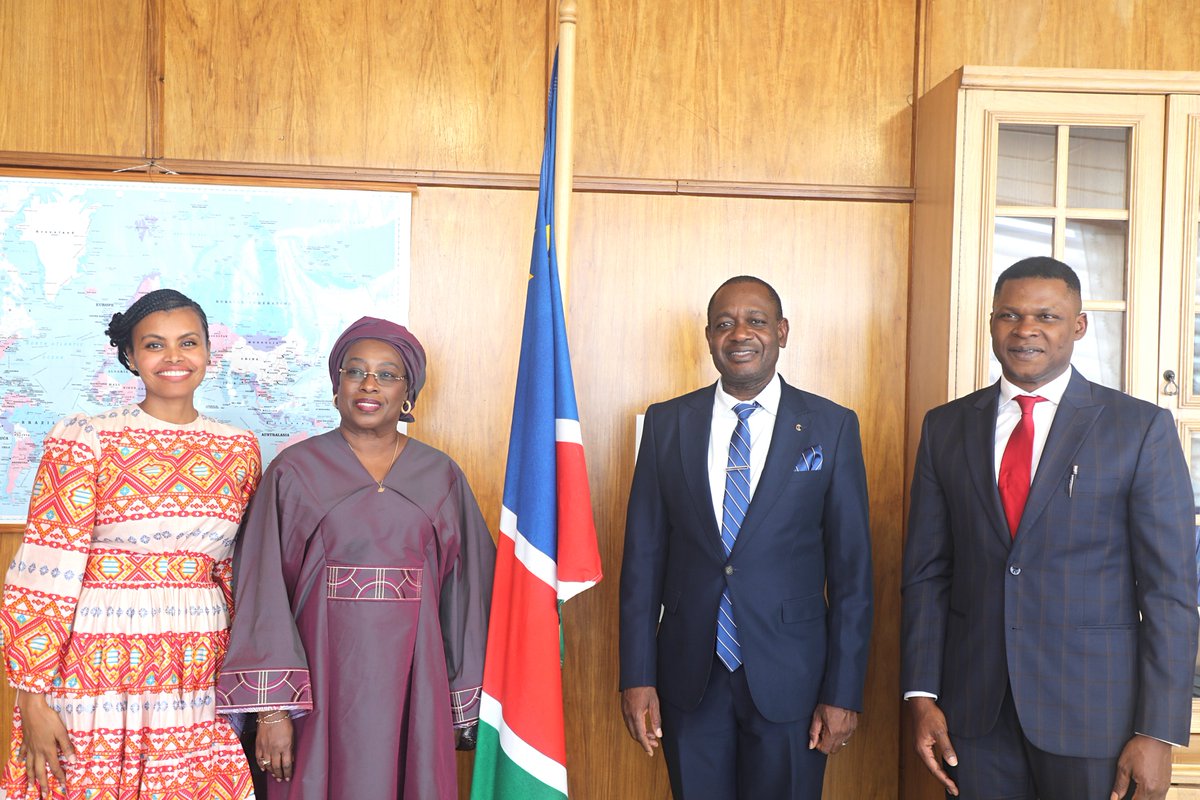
(279, 272)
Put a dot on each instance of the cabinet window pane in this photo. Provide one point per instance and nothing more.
(1195, 323)
(1196, 355)
(1098, 168)
(1015, 238)
(1194, 462)
(1196, 674)
(1100, 354)
(1096, 250)
(1025, 165)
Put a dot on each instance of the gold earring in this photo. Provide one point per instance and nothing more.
(406, 406)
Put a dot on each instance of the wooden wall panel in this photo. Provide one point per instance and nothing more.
(1101, 34)
(73, 76)
(470, 266)
(767, 91)
(423, 84)
(637, 311)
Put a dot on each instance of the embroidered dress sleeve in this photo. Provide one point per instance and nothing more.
(46, 575)
(470, 559)
(266, 667)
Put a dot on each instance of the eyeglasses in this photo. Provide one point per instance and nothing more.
(382, 377)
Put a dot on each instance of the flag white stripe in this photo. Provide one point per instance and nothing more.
(568, 589)
(538, 563)
(524, 755)
(533, 559)
(568, 430)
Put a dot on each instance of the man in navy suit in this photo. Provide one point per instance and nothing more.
(747, 536)
(1049, 618)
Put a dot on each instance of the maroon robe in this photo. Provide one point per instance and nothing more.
(364, 613)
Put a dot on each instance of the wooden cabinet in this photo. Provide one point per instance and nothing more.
(1179, 358)
(1007, 168)
(1098, 168)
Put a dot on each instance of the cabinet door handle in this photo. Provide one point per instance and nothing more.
(1170, 387)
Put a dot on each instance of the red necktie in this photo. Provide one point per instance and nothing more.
(1017, 464)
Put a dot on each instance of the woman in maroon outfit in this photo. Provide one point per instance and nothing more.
(363, 582)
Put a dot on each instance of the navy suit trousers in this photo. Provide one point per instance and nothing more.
(725, 749)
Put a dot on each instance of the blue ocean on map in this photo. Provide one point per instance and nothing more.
(280, 271)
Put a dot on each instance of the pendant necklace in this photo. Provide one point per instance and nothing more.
(395, 452)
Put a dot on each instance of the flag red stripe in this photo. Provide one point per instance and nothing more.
(578, 557)
(522, 671)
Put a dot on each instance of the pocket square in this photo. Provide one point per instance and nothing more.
(810, 459)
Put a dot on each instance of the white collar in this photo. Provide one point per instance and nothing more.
(1052, 391)
(768, 398)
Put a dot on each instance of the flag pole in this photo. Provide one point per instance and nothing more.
(564, 157)
(546, 549)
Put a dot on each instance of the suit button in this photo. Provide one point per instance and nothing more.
(728, 570)
(1014, 570)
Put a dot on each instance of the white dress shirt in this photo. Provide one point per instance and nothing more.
(1009, 414)
(724, 420)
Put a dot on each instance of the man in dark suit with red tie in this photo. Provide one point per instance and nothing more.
(747, 536)
(1049, 618)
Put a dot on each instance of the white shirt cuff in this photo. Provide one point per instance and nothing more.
(1155, 738)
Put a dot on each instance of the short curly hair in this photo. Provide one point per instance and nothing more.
(120, 328)
(1040, 267)
(774, 295)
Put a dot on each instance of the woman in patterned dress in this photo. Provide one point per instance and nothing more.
(116, 611)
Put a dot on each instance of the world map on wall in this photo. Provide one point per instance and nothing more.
(280, 272)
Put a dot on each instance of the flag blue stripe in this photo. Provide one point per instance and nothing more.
(530, 477)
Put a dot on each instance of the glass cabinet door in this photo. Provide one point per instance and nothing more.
(1178, 378)
(1063, 191)
(1077, 178)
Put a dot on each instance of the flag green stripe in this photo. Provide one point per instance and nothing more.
(507, 780)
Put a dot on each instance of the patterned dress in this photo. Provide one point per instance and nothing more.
(117, 604)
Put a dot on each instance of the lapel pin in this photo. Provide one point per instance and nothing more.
(799, 427)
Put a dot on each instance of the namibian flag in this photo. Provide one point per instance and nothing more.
(547, 545)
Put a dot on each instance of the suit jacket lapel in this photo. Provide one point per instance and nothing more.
(791, 434)
(695, 428)
(1076, 415)
(980, 429)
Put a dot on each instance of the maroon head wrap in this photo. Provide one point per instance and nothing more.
(410, 350)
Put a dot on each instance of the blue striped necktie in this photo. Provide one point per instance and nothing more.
(733, 511)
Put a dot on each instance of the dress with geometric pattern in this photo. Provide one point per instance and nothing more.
(117, 605)
(363, 612)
